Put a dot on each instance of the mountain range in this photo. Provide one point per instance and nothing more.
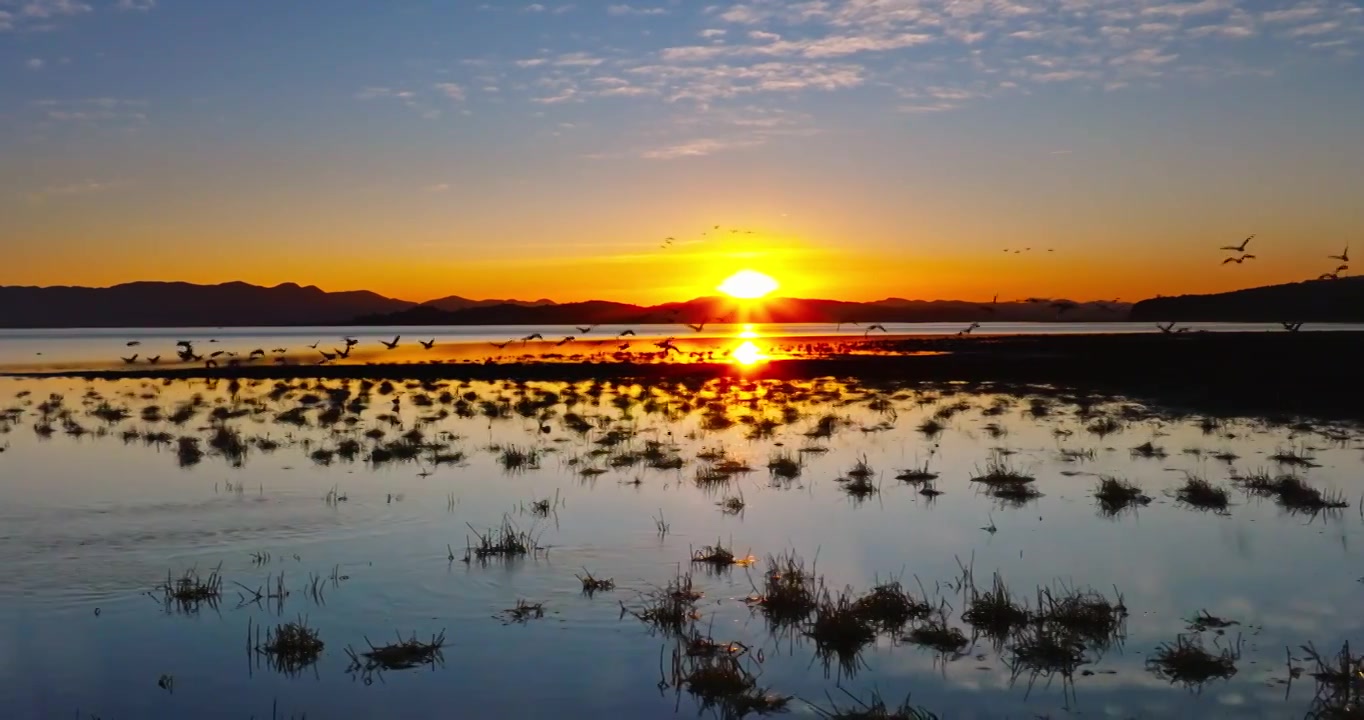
(176, 304)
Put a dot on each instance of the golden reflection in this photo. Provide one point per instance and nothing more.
(748, 332)
(748, 354)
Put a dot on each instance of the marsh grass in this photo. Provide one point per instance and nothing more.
(1040, 650)
(785, 465)
(1340, 685)
(996, 613)
(514, 459)
(719, 556)
(524, 612)
(506, 541)
(1116, 495)
(291, 647)
(1149, 451)
(1205, 621)
(839, 627)
(860, 487)
(1300, 456)
(874, 708)
(1187, 662)
(790, 592)
(402, 655)
(888, 607)
(1292, 492)
(718, 681)
(670, 609)
(1104, 426)
(1082, 613)
(1197, 492)
(191, 591)
(593, 585)
(937, 635)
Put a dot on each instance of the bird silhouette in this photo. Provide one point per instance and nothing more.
(588, 329)
(1238, 248)
(532, 336)
(623, 346)
(1329, 276)
(1238, 260)
(129, 360)
(184, 344)
(257, 352)
(1167, 328)
(153, 359)
(390, 345)
(970, 328)
(216, 353)
(328, 355)
(343, 354)
(350, 341)
(1292, 327)
(428, 344)
(874, 326)
(698, 327)
(667, 346)
(500, 346)
(133, 343)
(1344, 255)
(567, 339)
(625, 332)
(314, 345)
(1342, 269)
(279, 350)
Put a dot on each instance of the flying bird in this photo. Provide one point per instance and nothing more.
(970, 329)
(133, 343)
(875, 326)
(256, 352)
(279, 350)
(216, 353)
(153, 359)
(567, 339)
(428, 344)
(314, 345)
(1344, 256)
(623, 346)
(500, 346)
(1238, 248)
(586, 330)
(389, 345)
(129, 360)
(343, 353)
(667, 346)
(1238, 260)
(1167, 328)
(1342, 269)
(350, 341)
(1292, 327)
(698, 327)
(1329, 276)
(532, 336)
(328, 355)
(625, 332)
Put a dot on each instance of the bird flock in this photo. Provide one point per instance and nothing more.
(1239, 256)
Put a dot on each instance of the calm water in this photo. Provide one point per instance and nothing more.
(92, 348)
(94, 516)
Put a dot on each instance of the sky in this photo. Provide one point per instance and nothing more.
(853, 149)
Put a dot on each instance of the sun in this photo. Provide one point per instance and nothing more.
(748, 285)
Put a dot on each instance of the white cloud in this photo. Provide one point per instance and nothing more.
(535, 8)
(136, 5)
(1321, 28)
(450, 90)
(34, 63)
(694, 148)
(712, 33)
(577, 59)
(85, 187)
(620, 10)
(52, 8)
(438, 188)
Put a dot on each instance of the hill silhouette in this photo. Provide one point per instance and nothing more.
(1313, 301)
(773, 310)
(177, 304)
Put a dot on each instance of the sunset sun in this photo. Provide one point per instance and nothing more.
(748, 285)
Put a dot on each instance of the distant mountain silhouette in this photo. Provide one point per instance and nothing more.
(777, 310)
(171, 304)
(455, 303)
(1313, 301)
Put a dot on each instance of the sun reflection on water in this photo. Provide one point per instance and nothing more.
(748, 354)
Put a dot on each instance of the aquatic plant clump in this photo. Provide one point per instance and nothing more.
(191, 590)
(1198, 493)
(1116, 495)
(789, 592)
(402, 655)
(874, 708)
(888, 607)
(1187, 662)
(504, 542)
(292, 646)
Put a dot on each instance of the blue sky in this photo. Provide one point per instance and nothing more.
(172, 138)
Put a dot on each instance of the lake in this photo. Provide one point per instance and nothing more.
(351, 506)
(88, 349)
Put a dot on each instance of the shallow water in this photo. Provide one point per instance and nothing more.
(92, 520)
(97, 348)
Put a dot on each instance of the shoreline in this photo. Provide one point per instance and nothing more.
(1274, 373)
